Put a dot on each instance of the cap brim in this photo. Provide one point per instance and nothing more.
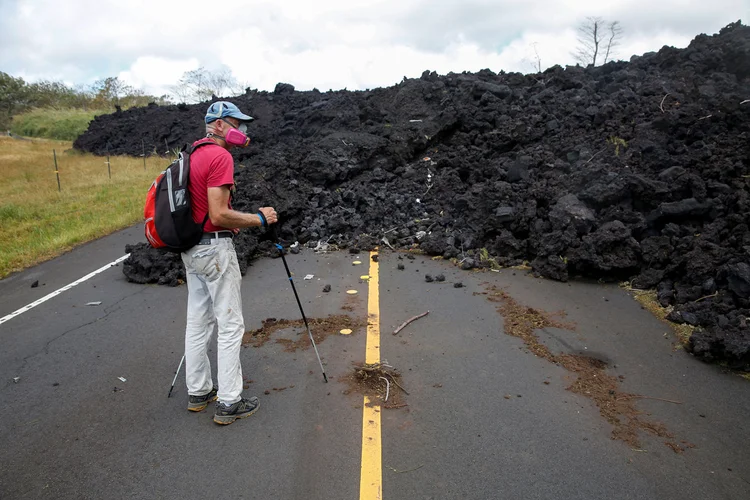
(241, 116)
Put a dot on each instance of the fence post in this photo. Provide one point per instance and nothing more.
(143, 146)
(57, 172)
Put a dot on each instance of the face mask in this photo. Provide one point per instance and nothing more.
(236, 137)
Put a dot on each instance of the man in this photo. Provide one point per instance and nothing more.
(213, 273)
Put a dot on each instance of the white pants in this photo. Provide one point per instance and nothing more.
(213, 280)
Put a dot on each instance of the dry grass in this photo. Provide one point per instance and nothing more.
(37, 222)
(647, 298)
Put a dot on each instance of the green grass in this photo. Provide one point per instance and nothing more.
(37, 222)
(60, 124)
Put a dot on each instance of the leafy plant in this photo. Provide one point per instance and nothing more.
(484, 258)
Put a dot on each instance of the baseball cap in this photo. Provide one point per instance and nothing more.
(222, 109)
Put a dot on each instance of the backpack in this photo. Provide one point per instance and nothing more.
(168, 214)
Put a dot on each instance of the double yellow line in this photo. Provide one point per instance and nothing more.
(371, 474)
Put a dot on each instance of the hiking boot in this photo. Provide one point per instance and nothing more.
(225, 415)
(199, 403)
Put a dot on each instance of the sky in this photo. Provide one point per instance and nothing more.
(326, 44)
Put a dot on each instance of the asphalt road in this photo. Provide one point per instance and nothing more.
(67, 433)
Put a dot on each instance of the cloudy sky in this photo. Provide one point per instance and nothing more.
(326, 44)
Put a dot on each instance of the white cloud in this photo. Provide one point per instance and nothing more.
(327, 43)
(156, 74)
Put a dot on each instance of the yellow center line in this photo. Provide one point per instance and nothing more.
(371, 474)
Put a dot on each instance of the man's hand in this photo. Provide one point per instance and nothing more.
(270, 214)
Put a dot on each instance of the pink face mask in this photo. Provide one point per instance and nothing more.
(234, 137)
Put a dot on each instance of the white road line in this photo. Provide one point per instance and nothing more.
(61, 290)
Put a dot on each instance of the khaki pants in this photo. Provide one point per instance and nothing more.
(213, 281)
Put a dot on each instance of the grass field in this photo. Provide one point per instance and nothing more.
(37, 222)
(60, 124)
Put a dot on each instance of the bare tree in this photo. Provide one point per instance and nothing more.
(595, 36)
(614, 34)
(538, 61)
(201, 85)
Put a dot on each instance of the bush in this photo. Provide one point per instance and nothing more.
(60, 124)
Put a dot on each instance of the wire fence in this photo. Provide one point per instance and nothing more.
(112, 163)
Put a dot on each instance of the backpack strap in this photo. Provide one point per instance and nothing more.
(189, 148)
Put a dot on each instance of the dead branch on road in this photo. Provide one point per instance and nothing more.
(635, 396)
(403, 325)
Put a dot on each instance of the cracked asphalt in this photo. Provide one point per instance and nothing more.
(72, 429)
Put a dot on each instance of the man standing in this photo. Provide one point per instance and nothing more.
(213, 273)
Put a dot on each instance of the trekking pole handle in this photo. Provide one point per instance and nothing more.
(274, 235)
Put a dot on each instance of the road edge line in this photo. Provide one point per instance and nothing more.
(57, 292)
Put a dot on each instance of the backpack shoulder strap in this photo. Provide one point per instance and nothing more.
(189, 148)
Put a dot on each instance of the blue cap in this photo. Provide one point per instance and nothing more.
(222, 109)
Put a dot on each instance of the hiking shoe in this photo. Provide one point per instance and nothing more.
(199, 403)
(225, 415)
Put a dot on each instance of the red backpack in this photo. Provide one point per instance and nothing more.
(168, 215)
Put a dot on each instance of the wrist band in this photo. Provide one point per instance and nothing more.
(262, 219)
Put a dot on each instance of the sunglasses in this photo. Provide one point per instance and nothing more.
(242, 127)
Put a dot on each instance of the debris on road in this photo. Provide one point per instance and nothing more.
(458, 284)
(404, 471)
(16, 380)
(309, 277)
(387, 388)
(122, 379)
(428, 278)
(321, 328)
(400, 267)
(327, 288)
(97, 303)
(35, 284)
(440, 278)
(403, 325)
(592, 380)
(367, 380)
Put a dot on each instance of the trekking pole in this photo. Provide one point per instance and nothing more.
(275, 239)
(175, 375)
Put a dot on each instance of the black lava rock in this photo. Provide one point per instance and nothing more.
(580, 176)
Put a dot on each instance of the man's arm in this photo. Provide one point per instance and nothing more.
(221, 215)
